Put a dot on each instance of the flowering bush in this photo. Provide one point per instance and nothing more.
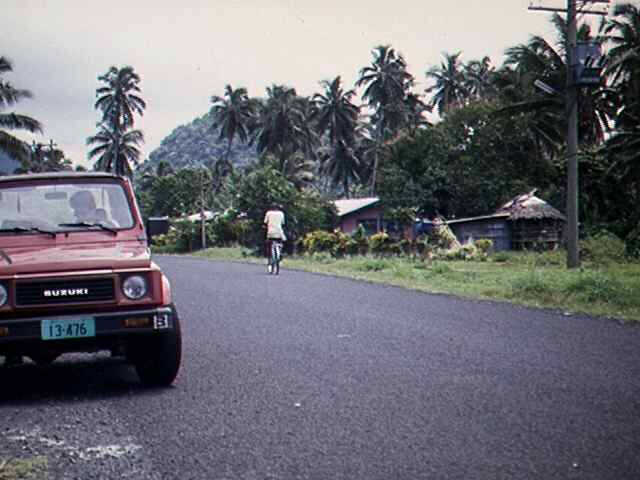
(379, 243)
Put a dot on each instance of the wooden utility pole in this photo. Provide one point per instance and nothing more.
(572, 105)
(573, 249)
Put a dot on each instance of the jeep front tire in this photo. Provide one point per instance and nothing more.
(157, 358)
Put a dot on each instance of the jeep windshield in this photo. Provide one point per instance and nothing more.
(59, 206)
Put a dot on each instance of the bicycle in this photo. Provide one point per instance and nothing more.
(275, 256)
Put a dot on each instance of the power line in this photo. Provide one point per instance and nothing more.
(580, 9)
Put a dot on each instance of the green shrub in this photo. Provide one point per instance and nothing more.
(632, 244)
(183, 236)
(360, 241)
(318, 241)
(342, 244)
(397, 248)
(468, 251)
(484, 245)
(240, 230)
(379, 243)
(602, 248)
(444, 236)
(423, 247)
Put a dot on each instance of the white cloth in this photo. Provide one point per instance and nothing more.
(274, 219)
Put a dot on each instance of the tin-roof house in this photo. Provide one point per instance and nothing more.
(353, 212)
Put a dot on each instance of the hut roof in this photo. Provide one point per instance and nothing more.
(530, 207)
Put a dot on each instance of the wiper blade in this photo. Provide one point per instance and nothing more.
(28, 230)
(4, 255)
(89, 224)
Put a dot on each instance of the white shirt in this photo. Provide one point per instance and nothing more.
(274, 219)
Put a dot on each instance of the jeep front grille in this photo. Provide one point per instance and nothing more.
(65, 291)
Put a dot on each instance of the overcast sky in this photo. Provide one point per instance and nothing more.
(186, 51)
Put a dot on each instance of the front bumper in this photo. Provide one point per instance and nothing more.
(107, 325)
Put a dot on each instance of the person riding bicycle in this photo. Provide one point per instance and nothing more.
(274, 221)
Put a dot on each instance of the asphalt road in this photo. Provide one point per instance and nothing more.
(304, 376)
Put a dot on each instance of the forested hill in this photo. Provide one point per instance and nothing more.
(195, 143)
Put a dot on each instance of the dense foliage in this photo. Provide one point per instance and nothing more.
(497, 135)
(494, 135)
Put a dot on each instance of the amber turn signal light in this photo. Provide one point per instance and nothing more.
(137, 322)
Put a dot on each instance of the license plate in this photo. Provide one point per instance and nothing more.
(61, 329)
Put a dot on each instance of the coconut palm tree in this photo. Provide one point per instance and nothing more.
(107, 142)
(450, 88)
(539, 60)
(337, 116)
(387, 83)
(9, 96)
(479, 76)
(119, 101)
(622, 32)
(342, 166)
(282, 127)
(233, 115)
(415, 110)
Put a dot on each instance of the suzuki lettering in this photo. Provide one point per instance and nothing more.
(68, 292)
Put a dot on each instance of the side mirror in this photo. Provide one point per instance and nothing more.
(156, 226)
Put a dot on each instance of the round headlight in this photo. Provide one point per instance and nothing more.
(134, 287)
(3, 295)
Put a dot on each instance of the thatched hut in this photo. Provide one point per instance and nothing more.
(534, 223)
(525, 222)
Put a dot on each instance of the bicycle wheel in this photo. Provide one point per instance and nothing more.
(276, 248)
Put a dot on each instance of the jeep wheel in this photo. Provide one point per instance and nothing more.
(157, 359)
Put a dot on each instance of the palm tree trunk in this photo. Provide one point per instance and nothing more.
(116, 130)
(375, 170)
(376, 155)
(228, 152)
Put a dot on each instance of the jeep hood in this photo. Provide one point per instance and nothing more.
(74, 257)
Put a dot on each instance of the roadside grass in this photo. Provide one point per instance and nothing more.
(525, 278)
(34, 468)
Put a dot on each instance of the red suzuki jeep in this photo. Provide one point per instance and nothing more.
(76, 275)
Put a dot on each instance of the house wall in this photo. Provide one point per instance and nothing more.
(349, 223)
(497, 230)
(544, 234)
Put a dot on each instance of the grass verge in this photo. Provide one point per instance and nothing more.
(538, 280)
(34, 468)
